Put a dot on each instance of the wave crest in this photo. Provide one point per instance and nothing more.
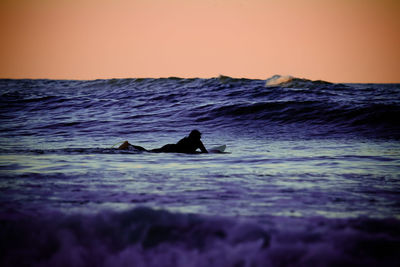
(277, 80)
(290, 81)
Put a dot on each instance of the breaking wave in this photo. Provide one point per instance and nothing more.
(147, 237)
(290, 81)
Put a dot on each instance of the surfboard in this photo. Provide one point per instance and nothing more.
(217, 149)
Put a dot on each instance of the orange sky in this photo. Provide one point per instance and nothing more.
(334, 40)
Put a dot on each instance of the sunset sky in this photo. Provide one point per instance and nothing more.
(333, 40)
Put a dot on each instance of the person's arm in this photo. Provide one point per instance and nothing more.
(202, 148)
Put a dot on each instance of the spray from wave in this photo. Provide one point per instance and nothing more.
(278, 80)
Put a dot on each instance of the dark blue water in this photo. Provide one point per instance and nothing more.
(311, 177)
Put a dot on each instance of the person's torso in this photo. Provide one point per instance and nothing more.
(187, 145)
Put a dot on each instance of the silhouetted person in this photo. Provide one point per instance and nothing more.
(188, 145)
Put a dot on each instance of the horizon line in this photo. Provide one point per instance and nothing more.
(189, 78)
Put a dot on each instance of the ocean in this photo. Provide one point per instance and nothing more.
(310, 175)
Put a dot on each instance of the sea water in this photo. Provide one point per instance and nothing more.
(310, 177)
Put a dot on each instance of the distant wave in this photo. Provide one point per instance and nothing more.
(312, 111)
(114, 106)
(278, 80)
(290, 81)
(373, 118)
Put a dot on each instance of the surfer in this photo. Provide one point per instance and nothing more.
(187, 144)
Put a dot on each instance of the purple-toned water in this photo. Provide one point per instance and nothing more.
(311, 177)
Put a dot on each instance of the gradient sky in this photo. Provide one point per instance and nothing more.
(333, 40)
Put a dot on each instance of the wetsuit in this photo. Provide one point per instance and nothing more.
(185, 145)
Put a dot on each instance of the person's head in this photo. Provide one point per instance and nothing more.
(195, 134)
